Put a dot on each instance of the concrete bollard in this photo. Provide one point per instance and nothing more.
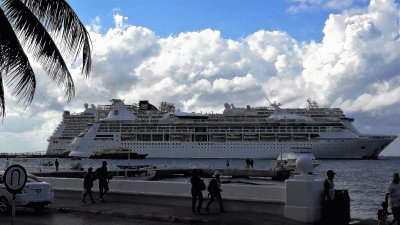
(304, 199)
(304, 194)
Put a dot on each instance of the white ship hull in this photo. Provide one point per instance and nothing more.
(325, 149)
(237, 133)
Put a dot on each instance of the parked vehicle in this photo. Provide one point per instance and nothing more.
(36, 194)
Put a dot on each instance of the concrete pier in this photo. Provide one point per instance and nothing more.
(235, 173)
(171, 202)
(171, 172)
(176, 210)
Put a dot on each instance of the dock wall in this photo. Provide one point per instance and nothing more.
(237, 197)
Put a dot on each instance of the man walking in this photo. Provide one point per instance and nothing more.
(214, 188)
(393, 191)
(87, 185)
(56, 163)
(197, 186)
(102, 175)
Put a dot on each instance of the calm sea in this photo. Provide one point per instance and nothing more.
(366, 180)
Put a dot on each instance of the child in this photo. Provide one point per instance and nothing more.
(382, 214)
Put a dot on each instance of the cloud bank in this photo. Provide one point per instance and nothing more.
(356, 67)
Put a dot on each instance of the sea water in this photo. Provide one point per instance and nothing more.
(366, 180)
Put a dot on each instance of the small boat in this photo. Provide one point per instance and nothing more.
(143, 172)
(47, 163)
(76, 164)
(117, 153)
(287, 160)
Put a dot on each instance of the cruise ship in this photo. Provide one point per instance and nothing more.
(250, 132)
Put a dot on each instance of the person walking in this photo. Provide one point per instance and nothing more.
(198, 186)
(393, 191)
(56, 163)
(102, 175)
(87, 185)
(214, 189)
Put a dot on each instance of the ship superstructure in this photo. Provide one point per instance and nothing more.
(72, 125)
(261, 132)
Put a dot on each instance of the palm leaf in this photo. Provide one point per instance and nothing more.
(2, 103)
(40, 43)
(15, 69)
(58, 17)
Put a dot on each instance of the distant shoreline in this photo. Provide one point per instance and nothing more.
(40, 155)
(33, 155)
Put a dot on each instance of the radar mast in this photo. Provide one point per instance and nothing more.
(312, 104)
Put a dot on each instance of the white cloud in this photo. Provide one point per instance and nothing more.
(298, 6)
(356, 66)
(119, 20)
(96, 25)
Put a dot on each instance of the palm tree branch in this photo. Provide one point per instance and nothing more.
(40, 43)
(59, 18)
(15, 69)
(2, 102)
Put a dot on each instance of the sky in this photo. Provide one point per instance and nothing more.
(200, 54)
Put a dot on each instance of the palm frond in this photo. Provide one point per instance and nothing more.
(15, 68)
(40, 43)
(2, 102)
(58, 17)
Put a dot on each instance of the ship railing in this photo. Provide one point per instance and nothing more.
(379, 137)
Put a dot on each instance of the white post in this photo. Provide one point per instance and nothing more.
(304, 194)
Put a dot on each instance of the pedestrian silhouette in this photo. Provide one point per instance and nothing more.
(329, 186)
(214, 189)
(87, 185)
(393, 192)
(247, 163)
(56, 163)
(102, 175)
(329, 209)
(198, 186)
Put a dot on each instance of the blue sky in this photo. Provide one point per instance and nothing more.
(200, 54)
(234, 18)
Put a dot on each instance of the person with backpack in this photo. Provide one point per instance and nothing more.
(198, 186)
(87, 185)
(214, 189)
(102, 175)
